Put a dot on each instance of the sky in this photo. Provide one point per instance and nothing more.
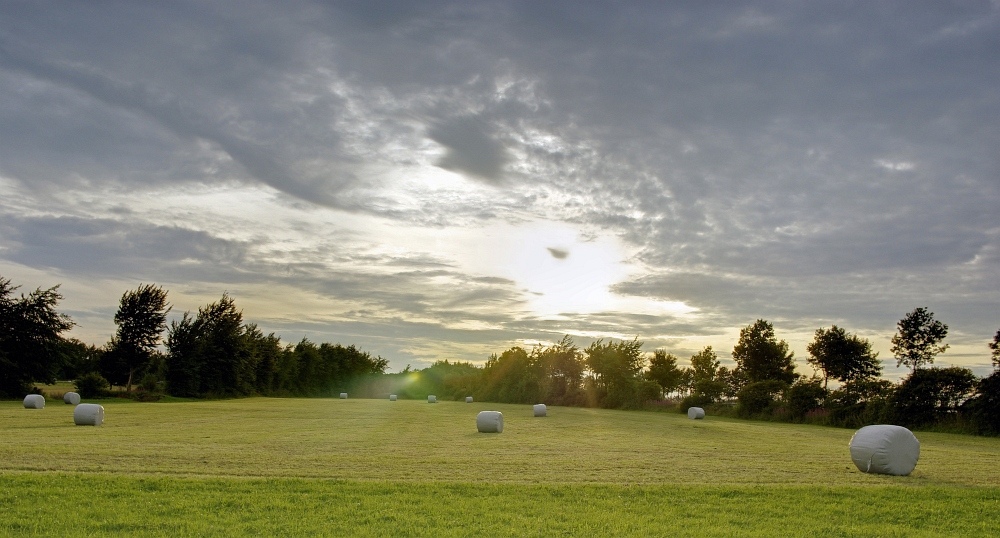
(443, 180)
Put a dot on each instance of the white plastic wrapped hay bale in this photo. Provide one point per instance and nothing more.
(71, 398)
(540, 410)
(489, 422)
(88, 415)
(432, 399)
(392, 397)
(468, 399)
(34, 401)
(695, 413)
(343, 395)
(885, 449)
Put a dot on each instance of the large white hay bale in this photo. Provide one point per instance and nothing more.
(696, 413)
(468, 399)
(71, 398)
(885, 449)
(489, 422)
(392, 397)
(540, 410)
(88, 415)
(343, 395)
(432, 399)
(34, 401)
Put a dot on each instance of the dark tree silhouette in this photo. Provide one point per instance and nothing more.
(918, 339)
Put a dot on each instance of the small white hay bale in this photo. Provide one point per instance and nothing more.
(489, 422)
(432, 399)
(88, 415)
(71, 398)
(696, 413)
(540, 410)
(885, 449)
(392, 397)
(468, 399)
(343, 395)
(34, 401)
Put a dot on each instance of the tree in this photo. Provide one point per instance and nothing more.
(705, 374)
(562, 368)
(762, 357)
(31, 340)
(141, 319)
(843, 356)
(918, 339)
(664, 371)
(995, 346)
(616, 369)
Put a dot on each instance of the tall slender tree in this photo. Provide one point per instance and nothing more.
(141, 319)
(918, 339)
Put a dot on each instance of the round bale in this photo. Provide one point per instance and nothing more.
(540, 410)
(468, 399)
(34, 401)
(696, 413)
(432, 399)
(71, 398)
(88, 415)
(392, 397)
(489, 422)
(343, 395)
(885, 449)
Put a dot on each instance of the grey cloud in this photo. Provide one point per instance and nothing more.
(97, 247)
(471, 148)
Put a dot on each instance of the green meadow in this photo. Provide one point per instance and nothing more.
(317, 467)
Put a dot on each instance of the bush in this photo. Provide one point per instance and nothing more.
(804, 397)
(694, 400)
(986, 406)
(756, 398)
(932, 395)
(91, 385)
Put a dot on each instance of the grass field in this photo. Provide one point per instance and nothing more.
(408, 468)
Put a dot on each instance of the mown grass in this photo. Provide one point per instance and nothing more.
(375, 468)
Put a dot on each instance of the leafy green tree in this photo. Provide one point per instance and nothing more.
(705, 374)
(141, 319)
(512, 377)
(918, 339)
(664, 371)
(184, 360)
(31, 340)
(562, 370)
(760, 356)
(843, 356)
(616, 369)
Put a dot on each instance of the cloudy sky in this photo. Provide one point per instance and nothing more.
(444, 180)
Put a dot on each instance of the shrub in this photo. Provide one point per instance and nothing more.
(756, 398)
(986, 406)
(91, 385)
(694, 400)
(804, 397)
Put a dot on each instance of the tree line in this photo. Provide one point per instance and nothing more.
(211, 353)
(214, 353)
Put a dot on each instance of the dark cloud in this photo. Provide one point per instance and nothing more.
(470, 149)
(558, 253)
